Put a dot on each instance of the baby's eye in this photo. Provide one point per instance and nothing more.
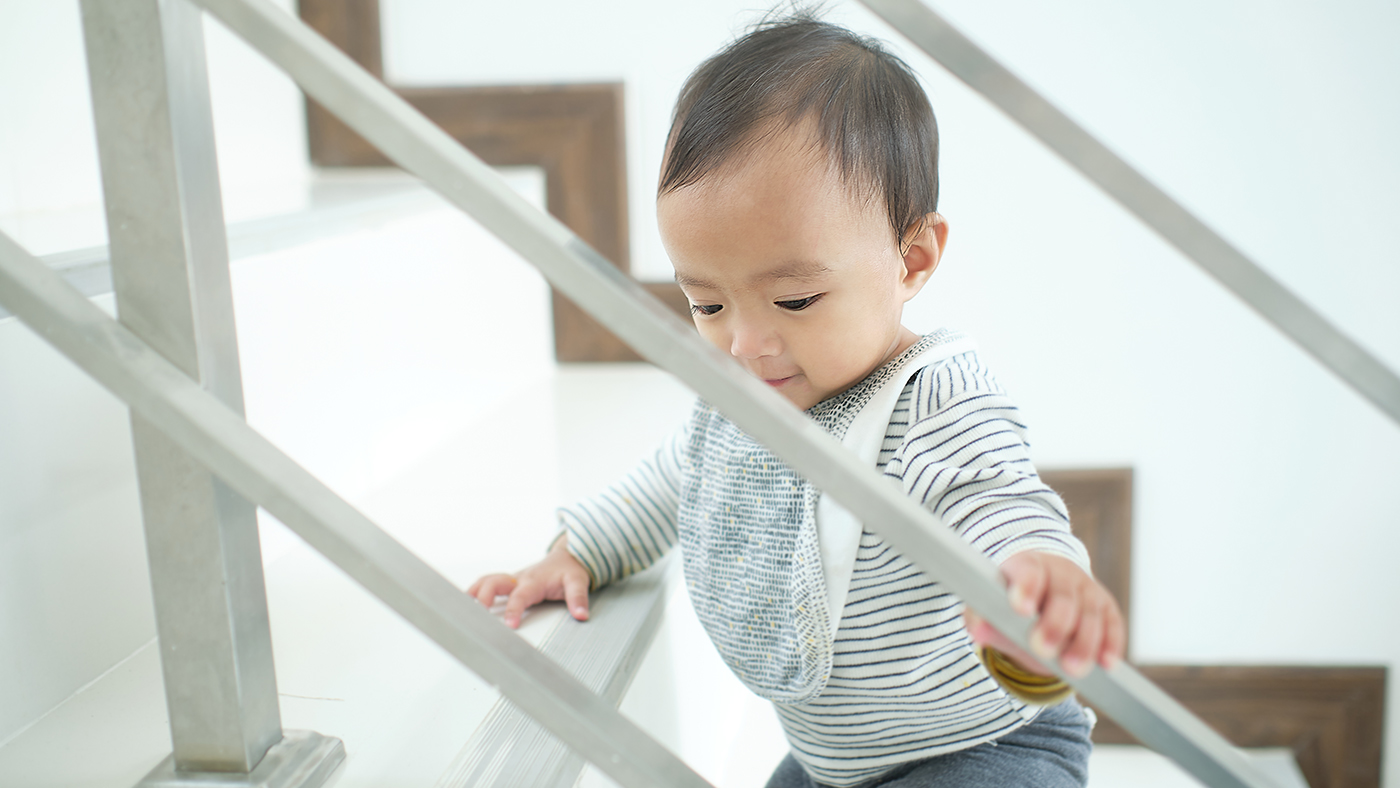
(799, 304)
(705, 309)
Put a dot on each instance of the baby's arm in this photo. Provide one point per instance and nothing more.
(966, 457)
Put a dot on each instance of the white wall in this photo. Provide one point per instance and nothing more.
(1272, 121)
(50, 188)
(74, 593)
(48, 159)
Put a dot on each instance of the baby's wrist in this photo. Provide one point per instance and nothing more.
(561, 537)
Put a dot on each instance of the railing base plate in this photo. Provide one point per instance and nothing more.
(303, 759)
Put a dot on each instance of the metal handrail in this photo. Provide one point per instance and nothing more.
(510, 749)
(1278, 305)
(221, 439)
(223, 442)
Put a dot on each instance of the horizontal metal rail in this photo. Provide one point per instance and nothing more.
(1278, 305)
(510, 749)
(623, 306)
(220, 439)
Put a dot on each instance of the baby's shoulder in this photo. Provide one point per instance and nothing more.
(942, 384)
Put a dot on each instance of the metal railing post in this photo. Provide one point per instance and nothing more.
(170, 275)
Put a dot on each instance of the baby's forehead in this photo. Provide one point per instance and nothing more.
(780, 156)
(784, 213)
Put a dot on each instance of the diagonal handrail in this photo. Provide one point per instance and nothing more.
(257, 470)
(1278, 305)
(220, 439)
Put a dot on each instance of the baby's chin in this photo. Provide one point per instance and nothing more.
(804, 397)
(798, 390)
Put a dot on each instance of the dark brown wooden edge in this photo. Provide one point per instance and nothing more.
(1331, 718)
(575, 133)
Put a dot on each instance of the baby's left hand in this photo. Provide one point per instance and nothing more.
(1079, 620)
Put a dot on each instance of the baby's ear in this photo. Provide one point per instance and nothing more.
(921, 249)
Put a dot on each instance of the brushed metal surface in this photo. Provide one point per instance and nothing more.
(170, 274)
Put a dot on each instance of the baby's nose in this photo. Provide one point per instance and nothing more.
(752, 340)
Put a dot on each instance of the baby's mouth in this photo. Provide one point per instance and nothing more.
(779, 382)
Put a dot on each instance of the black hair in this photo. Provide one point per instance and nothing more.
(873, 120)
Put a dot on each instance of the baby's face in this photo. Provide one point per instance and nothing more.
(797, 279)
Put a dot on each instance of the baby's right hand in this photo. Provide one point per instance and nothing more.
(558, 576)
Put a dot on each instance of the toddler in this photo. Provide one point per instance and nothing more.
(797, 203)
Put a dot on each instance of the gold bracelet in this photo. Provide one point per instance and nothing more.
(1030, 687)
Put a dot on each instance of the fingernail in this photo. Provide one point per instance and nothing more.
(1077, 668)
(580, 613)
(1041, 646)
(1020, 602)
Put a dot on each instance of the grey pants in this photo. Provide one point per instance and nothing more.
(1051, 751)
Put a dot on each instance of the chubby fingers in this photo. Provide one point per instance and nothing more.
(1026, 582)
(487, 588)
(576, 594)
(1081, 645)
(1079, 621)
(572, 587)
(1060, 620)
(1098, 638)
(528, 593)
(1115, 634)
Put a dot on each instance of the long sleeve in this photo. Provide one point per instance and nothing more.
(630, 525)
(966, 457)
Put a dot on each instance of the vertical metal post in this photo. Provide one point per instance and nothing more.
(170, 273)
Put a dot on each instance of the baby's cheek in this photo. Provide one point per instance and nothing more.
(710, 334)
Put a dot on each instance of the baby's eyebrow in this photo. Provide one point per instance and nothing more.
(796, 269)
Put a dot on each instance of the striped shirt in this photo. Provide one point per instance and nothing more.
(904, 682)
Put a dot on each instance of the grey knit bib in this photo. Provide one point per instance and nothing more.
(747, 526)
